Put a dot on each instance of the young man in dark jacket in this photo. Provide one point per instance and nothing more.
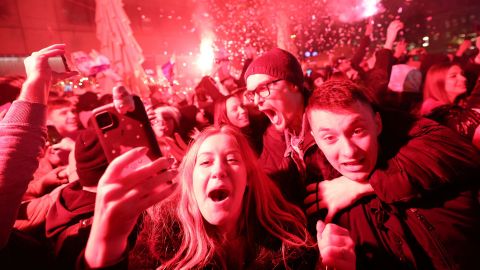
(429, 223)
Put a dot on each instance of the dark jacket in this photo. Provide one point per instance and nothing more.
(277, 162)
(68, 223)
(425, 213)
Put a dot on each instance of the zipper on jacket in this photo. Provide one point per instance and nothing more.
(441, 250)
(422, 219)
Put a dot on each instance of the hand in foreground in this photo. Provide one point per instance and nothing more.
(334, 195)
(40, 75)
(125, 190)
(336, 247)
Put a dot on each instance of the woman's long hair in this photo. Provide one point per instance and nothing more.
(264, 210)
(220, 116)
(434, 87)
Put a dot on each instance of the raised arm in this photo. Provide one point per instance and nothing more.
(433, 158)
(362, 48)
(22, 135)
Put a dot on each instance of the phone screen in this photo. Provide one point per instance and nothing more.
(58, 64)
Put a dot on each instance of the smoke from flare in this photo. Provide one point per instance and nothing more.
(206, 56)
(350, 11)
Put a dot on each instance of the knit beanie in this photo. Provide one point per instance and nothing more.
(91, 161)
(277, 63)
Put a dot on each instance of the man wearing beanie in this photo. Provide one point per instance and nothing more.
(68, 222)
(275, 84)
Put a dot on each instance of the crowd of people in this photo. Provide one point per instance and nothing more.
(362, 164)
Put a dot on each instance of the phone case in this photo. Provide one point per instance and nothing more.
(119, 133)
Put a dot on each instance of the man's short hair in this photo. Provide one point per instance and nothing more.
(336, 95)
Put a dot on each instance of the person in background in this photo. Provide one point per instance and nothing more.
(61, 114)
(62, 129)
(350, 67)
(166, 121)
(405, 83)
(444, 84)
(231, 110)
(446, 101)
(166, 125)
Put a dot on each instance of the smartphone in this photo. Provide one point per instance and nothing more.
(59, 64)
(53, 136)
(119, 133)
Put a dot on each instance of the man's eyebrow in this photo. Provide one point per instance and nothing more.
(323, 129)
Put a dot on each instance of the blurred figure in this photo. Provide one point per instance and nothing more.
(166, 121)
(350, 67)
(231, 110)
(62, 130)
(404, 87)
(408, 77)
(61, 114)
(122, 99)
(445, 95)
(444, 84)
(318, 76)
(166, 125)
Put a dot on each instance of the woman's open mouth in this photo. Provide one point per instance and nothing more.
(218, 195)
